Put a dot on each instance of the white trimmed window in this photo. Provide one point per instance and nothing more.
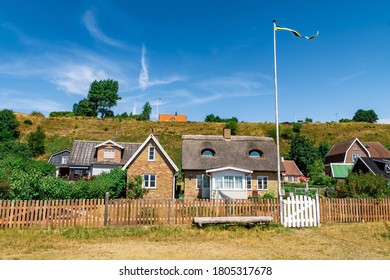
(151, 153)
(202, 181)
(229, 183)
(355, 157)
(262, 182)
(149, 181)
(64, 159)
(109, 153)
(248, 182)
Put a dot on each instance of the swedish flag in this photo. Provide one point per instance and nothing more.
(296, 33)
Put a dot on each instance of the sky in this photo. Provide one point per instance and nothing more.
(199, 57)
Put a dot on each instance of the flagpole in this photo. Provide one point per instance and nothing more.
(277, 131)
(277, 114)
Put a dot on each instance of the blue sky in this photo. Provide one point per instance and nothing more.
(198, 57)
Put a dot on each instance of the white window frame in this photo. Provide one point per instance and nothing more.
(146, 184)
(151, 153)
(355, 157)
(109, 153)
(201, 180)
(221, 182)
(262, 183)
(248, 181)
(64, 159)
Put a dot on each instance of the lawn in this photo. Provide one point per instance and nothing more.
(358, 241)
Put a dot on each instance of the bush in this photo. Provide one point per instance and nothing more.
(61, 114)
(28, 122)
(134, 188)
(36, 142)
(359, 185)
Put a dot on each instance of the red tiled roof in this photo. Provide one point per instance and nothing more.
(291, 168)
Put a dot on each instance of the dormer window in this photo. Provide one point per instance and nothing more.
(208, 153)
(387, 169)
(256, 153)
(109, 153)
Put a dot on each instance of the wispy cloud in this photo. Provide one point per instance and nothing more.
(76, 78)
(12, 99)
(24, 38)
(90, 22)
(143, 80)
(350, 76)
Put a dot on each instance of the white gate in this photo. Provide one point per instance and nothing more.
(301, 211)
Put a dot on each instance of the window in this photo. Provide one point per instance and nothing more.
(202, 181)
(248, 182)
(149, 181)
(208, 153)
(256, 153)
(64, 160)
(355, 157)
(387, 169)
(151, 153)
(262, 183)
(109, 153)
(229, 183)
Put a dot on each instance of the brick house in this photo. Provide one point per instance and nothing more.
(226, 166)
(148, 159)
(157, 169)
(348, 152)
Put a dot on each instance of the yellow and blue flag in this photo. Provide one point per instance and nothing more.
(296, 33)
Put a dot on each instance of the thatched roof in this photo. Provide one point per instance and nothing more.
(233, 152)
(83, 153)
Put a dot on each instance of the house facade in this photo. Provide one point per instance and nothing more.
(157, 169)
(348, 152)
(60, 161)
(147, 159)
(228, 167)
(291, 172)
(172, 118)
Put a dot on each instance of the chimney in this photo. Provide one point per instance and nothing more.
(227, 133)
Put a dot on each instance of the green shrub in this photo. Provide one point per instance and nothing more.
(358, 185)
(28, 122)
(134, 188)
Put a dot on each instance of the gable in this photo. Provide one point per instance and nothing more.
(142, 153)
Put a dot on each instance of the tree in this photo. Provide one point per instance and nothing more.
(302, 152)
(233, 125)
(8, 125)
(36, 142)
(85, 108)
(146, 111)
(323, 149)
(103, 95)
(365, 116)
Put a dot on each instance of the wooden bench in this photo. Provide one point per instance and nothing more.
(232, 220)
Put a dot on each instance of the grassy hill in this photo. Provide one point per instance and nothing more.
(61, 131)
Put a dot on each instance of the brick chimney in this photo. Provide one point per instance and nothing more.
(227, 133)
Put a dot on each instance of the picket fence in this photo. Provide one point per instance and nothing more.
(301, 211)
(124, 212)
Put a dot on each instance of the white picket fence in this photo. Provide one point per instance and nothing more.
(301, 211)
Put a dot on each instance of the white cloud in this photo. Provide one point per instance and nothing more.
(77, 78)
(89, 20)
(383, 121)
(143, 80)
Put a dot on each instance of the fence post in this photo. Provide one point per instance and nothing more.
(169, 211)
(106, 199)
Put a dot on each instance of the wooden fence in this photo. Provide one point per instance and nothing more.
(345, 210)
(123, 212)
